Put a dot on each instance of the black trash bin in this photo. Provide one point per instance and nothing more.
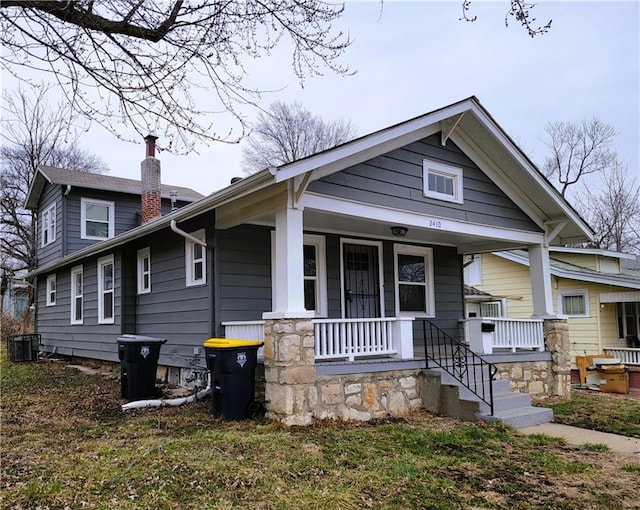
(138, 366)
(232, 364)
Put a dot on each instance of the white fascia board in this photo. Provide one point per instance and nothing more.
(632, 283)
(371, 145)
(530, 168)
(593, 251)
(410, 219)
(36, 182)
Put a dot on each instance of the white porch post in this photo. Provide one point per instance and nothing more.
(540, 273)
(288, 277)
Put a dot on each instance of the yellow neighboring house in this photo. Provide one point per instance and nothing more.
(593, 288)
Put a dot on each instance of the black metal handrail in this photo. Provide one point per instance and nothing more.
(454, 357)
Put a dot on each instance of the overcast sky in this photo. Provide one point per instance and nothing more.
(414, 57)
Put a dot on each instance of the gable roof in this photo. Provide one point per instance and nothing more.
(628, 278)
(468, 124)
(65, 177)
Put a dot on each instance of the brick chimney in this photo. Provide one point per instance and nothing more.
(150, 170)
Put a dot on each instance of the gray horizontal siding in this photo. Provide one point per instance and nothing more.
(46, 254)
(395, 180)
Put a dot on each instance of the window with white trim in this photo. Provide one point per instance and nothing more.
(97, 219)
(76, 295)
(51, 290)
(414, 288)
(49, 225)
(495, 308)
(144, 271)
(315, 273)
(442, 181)
(574, 303)
(106, 301)
(628, 320)
(195, 260)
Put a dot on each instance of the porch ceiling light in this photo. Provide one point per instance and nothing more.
(399, 231)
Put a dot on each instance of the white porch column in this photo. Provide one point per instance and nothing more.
(288, 277)
(540, 273)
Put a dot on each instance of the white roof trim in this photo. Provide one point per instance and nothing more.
(593, 251)
(620, 280)
(620, 297)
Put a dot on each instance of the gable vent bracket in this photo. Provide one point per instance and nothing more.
(447, 126)
(550, 236)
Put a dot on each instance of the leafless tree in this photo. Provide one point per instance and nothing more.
(613, 210)
(578, 150)
(33, 134)
(141, 64)
(288, 132)
(518, 10)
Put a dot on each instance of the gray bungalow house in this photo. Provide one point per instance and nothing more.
(348, 263)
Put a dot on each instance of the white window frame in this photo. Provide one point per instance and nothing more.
(621, 318)
(450, 172)
(49, 225)
(190, 261)
(103, 292)
(83, 218)
(574, 292)
(51, 290)
(144, 253)
(77, 270)
(501, 302)
(319, 242)
(429, 287)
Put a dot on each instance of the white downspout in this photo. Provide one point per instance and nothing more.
(186, 235)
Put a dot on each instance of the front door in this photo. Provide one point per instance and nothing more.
(361, 280)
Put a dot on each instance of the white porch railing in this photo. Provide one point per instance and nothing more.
(626, 356)
(345, 338)
(512, 334)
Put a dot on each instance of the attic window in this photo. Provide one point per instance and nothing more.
(49, 225)
(443, 182)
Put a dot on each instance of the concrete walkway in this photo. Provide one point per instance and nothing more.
(575, 435)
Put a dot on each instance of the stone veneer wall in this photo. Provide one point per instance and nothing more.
(367, 396)
(533, 377)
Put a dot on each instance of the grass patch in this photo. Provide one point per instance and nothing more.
(66, 443)
(596, 447)
(606, 412)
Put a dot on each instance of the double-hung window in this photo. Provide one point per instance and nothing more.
(144, 271)
(315, 279)
(77, 285)
(414, 281)
(196, 260)
(441, 181)
(574, 303)
(51, 290)
(106, 276)
(49, 225)
(97, 220)
(628, 319)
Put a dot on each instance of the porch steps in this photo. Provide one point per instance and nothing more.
(443, 394)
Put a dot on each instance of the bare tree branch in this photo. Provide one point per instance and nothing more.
(287, 132)
(519, 10)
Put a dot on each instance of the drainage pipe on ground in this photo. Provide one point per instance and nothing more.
(138, 404)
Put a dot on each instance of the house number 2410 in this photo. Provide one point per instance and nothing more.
(435, 223)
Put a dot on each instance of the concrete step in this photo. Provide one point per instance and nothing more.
(521, 417)
(511, 408)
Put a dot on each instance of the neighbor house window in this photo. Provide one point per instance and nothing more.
(414, 280)
(144, 271)
(196, 260)
(106, 276)
(628, 319)
(51, 290)
(441, 181)
(49, 225)
(76, 295)
(493, 308)
(97, 219)
(574, 303)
